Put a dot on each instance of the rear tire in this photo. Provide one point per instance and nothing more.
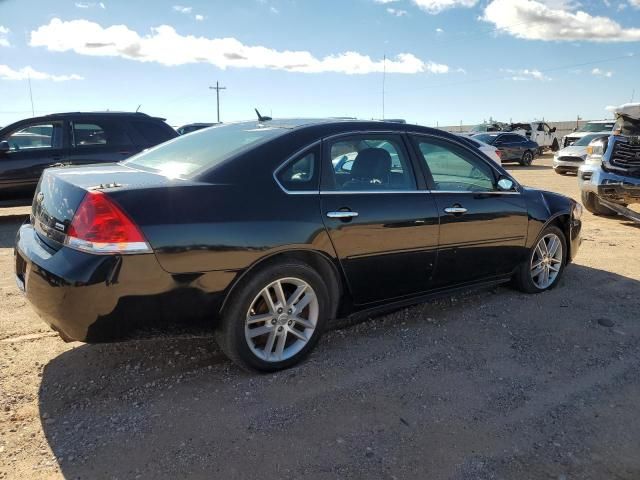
(527, 158)
(592, 203)
(545, 263)
(268, 335)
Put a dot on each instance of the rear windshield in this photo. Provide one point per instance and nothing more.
(189, 154)
(486, 138)
(597, 127)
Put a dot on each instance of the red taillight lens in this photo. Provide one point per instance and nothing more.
(100, 226)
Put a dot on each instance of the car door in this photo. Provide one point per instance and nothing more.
(382, 223)
(98, 140)
(33, 146)
(482, 229)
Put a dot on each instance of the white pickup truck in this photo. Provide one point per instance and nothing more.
(594, 126)
(541, 133)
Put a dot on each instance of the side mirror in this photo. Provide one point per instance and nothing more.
(4, 146)
(505, 184)
(552, 130)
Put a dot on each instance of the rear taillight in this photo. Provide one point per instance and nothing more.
(100, 226)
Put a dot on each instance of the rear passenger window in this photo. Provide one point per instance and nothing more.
(300, 174)
(375, 162)
(152, 132)
(100, 133)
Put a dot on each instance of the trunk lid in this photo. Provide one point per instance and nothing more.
(61, 190)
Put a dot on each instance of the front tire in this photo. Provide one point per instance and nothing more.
(275, 318)
(545, 263)
(591, 203)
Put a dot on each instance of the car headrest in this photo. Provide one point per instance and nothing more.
(372, 165)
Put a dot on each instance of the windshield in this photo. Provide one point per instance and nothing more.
(486, 138)
(586, 140)
(202, 149)
(597, 127)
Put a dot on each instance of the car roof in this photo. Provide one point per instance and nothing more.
(601, 121)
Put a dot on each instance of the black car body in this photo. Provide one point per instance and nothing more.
(512, 146)
(419, 213)
(29, 146)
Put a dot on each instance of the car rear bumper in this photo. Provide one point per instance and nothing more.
(610, 186)
(94, 298)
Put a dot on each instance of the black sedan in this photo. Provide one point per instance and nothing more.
(252, 226)
(512, 147)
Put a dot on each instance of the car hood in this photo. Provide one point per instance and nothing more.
(584, 134)
(573, 151)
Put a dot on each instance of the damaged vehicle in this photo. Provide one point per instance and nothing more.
(610, 179)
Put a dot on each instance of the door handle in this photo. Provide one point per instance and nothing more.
(342, 214)
(455, 210)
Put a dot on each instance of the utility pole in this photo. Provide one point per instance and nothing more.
(33, 112)
(217, 88)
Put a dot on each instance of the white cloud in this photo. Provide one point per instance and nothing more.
(384, 2)
(396, 12)
(166, 46)
(199, 17)
(525, 74)
(8, 73)
(434, 7)
(273, 9)
(601, 73)
(439, 30)
(533, 20)
(182, 9)
(4, 34)
(634, 3)
(90, 5)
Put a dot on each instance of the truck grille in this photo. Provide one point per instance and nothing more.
(570, 159)
(625, 155)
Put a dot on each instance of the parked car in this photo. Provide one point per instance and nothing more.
(610, 178)
(570, 158)
(29, 146)
(273, 255)
(192, 127)
(489, 150)
(539, 132)
(594, 126)
(512, 147)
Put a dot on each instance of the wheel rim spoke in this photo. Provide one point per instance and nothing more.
(268, 348)
(277, 287)
(295, 296)
(259, 318)
(302, 304)
(267, 298)
(282, 340)
(256, 332)
(303, 322)
(299, 335)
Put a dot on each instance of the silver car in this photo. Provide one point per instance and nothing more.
(570, 158)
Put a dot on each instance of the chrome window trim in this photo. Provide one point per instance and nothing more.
(368, 192)
(291, 158)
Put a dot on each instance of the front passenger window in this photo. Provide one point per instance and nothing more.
(454, 169)
(38, 136)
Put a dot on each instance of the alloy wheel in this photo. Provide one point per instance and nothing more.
(281, 319)
(546, 261)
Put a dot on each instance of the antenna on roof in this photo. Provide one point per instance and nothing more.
(137, 109)
(262, 118)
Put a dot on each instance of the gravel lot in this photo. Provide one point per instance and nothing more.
(490, 385)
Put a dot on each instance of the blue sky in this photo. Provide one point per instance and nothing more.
(448, 60)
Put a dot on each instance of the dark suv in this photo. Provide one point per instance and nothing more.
(29, 146)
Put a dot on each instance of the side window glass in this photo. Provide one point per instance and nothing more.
(453, 169)
(151, 132)
(375, 162)
(91, 134)
(300, 174)
(38, 136)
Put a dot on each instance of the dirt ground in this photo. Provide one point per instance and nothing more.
(490, 385)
